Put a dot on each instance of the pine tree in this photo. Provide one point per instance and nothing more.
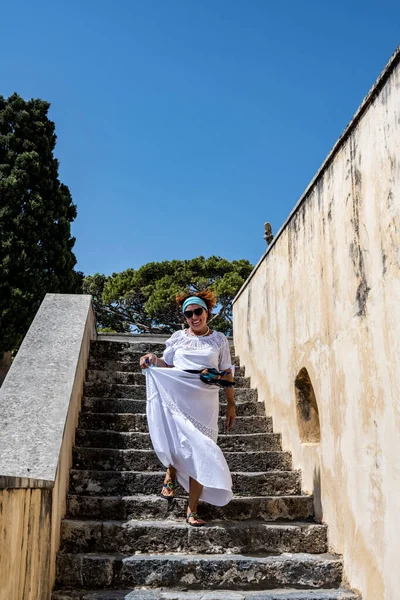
(145, 299)
(36, 212)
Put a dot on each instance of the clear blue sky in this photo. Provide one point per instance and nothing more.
(183, 125)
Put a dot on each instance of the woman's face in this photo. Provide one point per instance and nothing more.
(196, 322)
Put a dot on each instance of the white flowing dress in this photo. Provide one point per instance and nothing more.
(182, 413)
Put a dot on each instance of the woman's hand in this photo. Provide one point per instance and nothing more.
(230, 415)
(147, 360)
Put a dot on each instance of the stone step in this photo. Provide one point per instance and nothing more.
(126, 362)
(110, 459)
(138, 392)
(170, 594)
(233, 442)
(191, 572)
(100, 364)
(134, 440)
(126, 378)
(109, 349)
(122, 350)
(127, 405)
(126, 537)
(126, 483)
(136, 337)
(138, 422)
(267, 508)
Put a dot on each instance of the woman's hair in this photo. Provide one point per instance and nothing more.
(207, 295)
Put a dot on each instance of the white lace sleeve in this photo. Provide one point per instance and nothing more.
(169, 352)
(225, 361)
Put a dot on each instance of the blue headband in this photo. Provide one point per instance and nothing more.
(194, 300)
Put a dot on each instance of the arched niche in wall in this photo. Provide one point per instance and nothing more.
(307, 409)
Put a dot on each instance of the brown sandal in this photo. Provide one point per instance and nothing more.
(194, 515)
(170, 486)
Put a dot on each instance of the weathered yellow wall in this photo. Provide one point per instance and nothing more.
(326, 296)
(25, 533)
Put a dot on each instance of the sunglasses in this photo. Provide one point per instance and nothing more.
(189, 313)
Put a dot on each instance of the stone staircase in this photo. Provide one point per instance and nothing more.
(121, 541)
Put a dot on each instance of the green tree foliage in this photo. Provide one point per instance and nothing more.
(36, 212)
(145, 299)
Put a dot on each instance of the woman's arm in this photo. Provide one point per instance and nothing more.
(230, 392)
(151, 359)
(225, 364)
(231, 408)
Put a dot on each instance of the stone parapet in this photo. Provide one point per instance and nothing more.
(39, 407)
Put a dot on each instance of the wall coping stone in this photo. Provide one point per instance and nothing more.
(133, 338)
(362, 109)
(35, 395)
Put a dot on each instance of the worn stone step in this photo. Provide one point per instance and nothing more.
(131, 366)
(126, 378)
(138, 422)
(127, 405)
(137, 440)
(117, 350)
(191, 572)
(267, 508)
(138, 392)
(122, 350)
(107, 483)
(112, 439)
(233, 442)
(116, 362)
(111, 459)
(127, 537)
(170, 594)
(134, 440)
(136, 337)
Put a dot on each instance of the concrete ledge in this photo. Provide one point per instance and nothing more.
(39, 407)
(36, 394)
(133, 338)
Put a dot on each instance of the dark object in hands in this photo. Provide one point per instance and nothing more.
(214, 377)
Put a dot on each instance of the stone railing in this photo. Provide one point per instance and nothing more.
(39, 406)
(317, 327)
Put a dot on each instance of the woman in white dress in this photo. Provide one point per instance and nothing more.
(182, 411)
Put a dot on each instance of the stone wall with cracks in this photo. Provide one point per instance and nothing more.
(326, 297)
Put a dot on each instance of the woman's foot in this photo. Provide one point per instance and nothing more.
(168, 488)
(193, 519)
(195, 490)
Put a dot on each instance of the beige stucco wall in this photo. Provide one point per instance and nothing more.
(326, 296)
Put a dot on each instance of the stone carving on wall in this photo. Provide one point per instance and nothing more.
(268, 235)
